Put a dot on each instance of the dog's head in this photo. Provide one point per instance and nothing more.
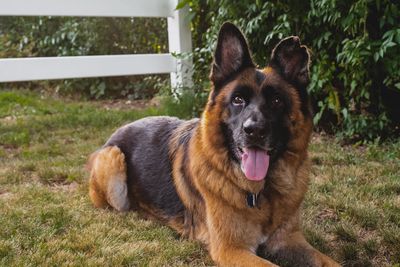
(259, 113)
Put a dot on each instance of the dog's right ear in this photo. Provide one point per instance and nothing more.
(292, 60)
(231, 55)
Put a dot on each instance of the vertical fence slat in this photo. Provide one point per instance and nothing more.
(180, 43)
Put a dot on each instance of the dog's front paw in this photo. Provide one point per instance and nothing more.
(325, 261)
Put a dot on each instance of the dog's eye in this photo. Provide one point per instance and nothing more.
(276, 102)
(238, 101)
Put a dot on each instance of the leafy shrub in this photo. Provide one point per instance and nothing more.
(355, 45)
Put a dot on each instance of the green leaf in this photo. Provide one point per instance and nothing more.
(390, 44)
(182, 4)
(345, 113)
(376, 57)
(353, 86)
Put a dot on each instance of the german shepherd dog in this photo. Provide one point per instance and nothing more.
(233, 179)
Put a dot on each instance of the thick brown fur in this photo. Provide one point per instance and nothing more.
(108, 179)
(211, 186)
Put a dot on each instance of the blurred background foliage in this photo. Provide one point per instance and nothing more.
(66, 36)
(355, 46)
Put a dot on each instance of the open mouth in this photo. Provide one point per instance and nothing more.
(254, 162)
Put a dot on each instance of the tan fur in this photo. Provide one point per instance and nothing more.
(107, 184)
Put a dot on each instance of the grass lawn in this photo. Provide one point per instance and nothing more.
(351, 212)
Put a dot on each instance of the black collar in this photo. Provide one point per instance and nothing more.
(252, 199)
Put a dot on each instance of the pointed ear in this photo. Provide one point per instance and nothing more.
(292, 60)
(231, 55)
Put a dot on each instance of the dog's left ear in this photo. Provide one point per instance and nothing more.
(231, 55)
(292, 60)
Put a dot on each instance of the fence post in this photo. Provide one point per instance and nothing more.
(180, 43)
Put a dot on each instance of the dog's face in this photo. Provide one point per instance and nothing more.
(259, 109)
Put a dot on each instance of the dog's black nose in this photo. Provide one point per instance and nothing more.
(254, 129)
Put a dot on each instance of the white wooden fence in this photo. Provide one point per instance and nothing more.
(46, 68)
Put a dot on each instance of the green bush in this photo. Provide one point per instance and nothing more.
(355, 49)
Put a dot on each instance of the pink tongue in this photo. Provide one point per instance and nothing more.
(255, 164)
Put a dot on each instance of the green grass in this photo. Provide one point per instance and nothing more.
(351, 212)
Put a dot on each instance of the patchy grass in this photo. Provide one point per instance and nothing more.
(351, 212)
(354, 202)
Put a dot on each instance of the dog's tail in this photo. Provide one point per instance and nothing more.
(108, 179)
(90, 161)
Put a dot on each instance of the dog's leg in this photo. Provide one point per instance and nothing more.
(229, 256)
(228, 252)
(295, 250)
(108, 179)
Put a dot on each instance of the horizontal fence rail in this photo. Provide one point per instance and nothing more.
(48, 68)
(88, 8)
